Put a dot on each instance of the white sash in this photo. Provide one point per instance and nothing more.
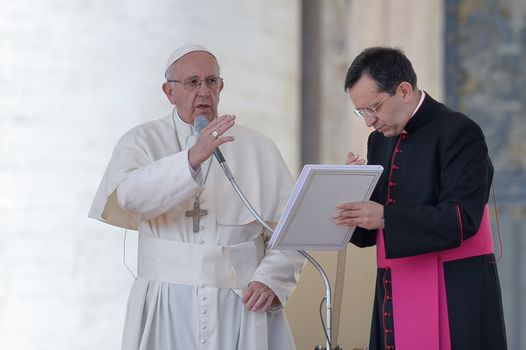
(205, 265)
(198, 264)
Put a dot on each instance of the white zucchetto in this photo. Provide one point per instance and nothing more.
(183, 50)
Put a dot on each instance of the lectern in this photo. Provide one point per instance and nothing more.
(307, 222)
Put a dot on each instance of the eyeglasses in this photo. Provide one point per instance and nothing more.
(370, 112)
(193, 83)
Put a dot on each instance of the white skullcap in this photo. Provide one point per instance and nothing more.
(183, 50)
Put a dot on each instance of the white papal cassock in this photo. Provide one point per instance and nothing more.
(189, 286)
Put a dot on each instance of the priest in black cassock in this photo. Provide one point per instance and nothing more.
(437, 286)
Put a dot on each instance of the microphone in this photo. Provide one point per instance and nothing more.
(199, 124)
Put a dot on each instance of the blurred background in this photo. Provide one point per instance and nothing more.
(75, 75)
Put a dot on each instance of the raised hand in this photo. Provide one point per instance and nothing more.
(209, 139)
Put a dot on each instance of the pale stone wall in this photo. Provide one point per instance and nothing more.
(74, 75)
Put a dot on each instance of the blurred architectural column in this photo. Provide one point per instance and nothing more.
(311, 65)
(485, 78)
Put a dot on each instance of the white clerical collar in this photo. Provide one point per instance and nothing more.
(419, 103)
(183, 128)
(417, 106)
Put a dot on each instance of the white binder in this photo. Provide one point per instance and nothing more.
(307, 222)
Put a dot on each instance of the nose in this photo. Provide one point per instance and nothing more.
(369, 121)
(203, 89)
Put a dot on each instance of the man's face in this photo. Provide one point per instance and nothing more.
(382, 111)
(192, 101)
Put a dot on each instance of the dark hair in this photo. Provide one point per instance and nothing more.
(387, 66)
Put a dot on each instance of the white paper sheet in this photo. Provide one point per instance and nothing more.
(307, 222)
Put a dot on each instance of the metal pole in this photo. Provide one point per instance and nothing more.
(328, 302)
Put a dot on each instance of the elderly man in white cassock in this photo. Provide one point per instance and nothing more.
(205, 279)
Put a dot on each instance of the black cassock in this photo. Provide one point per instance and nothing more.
(436, 182)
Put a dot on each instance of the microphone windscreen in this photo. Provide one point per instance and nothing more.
(200, 123)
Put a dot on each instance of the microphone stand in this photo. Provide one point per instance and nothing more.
(328, 300)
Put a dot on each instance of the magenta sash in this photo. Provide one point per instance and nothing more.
(419, 291)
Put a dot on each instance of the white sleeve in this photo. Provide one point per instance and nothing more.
(151, 190)
(280, 271)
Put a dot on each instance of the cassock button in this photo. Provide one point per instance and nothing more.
(398, 150)
(201, 241)
(204, 312)
(391, 200)
(395, 167)
(203, 341)
(387, 331)
(203, 297)
(203, 327)
(392, 183)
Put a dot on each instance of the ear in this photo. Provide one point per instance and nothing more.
(168, 91)
(406, 90)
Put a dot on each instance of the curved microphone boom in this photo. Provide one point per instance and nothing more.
(199, 124)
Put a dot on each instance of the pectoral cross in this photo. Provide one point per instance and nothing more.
(196, 214)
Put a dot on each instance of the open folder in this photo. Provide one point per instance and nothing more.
(307, 222)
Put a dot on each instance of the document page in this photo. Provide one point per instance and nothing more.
(307, 222)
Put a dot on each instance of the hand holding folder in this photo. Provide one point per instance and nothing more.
(307, 222)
